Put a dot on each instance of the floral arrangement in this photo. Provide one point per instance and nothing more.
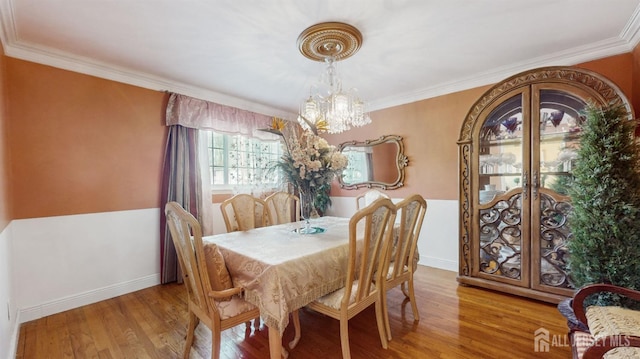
(310, 163)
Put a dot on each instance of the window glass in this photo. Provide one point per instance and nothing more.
(236, 160)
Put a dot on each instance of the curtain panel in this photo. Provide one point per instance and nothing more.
(180, 183)
(185, 174)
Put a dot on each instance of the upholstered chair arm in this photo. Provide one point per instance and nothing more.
(223, 294)
(584, 292)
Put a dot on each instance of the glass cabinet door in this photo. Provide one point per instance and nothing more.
(502, 155)
(556, 140)
(518, 148)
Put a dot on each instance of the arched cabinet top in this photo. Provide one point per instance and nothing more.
(602, 89)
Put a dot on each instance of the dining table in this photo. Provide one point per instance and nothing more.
(282, 270)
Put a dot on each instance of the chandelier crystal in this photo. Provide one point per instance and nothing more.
(329, 107)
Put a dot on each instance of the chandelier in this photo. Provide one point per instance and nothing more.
(330, 108)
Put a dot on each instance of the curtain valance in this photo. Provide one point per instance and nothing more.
(204, 115)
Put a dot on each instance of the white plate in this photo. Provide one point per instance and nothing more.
(487, 196)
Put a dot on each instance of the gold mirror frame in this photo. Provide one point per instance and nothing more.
(401, 161)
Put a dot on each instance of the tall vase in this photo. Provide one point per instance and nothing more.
(307, 198)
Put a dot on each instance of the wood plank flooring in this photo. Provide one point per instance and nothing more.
(456, 322)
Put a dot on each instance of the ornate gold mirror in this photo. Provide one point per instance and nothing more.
(374, 163)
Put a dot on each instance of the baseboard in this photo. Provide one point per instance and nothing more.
(438, 263)
(15, 334)
(89, 297)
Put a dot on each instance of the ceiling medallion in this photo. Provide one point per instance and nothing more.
(329, 39)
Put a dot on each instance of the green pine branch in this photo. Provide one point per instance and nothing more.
(605, 193)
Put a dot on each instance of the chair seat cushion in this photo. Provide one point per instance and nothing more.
(234, 306)
(583, 340)
(612, 320)
(391, 268)
(216, 268)
(622, 353)
(606, 321)
(334, 299)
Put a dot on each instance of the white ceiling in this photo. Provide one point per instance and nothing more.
(243, 53)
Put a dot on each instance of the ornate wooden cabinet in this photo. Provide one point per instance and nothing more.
(516, 150)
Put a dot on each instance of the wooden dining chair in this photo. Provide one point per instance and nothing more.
(283, 207)
(364, 268)
(243, 212)
(212, 298)
(400, 263)
(368, 197)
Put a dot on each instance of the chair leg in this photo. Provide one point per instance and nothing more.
(412, 297)
(403, 287)
(385, 313)
(215, 343)
(193, 323)
(256, 324)
(380, 321)
(344, 338)
(296, 326)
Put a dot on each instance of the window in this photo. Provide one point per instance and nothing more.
(236, 160)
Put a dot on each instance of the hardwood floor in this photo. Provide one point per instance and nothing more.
(456, 322)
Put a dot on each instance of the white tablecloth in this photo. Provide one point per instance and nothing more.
(282, 270)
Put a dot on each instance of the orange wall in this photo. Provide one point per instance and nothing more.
(636, 79)
(430, 129)
(81, 144)
(5, 197)
(618, 69)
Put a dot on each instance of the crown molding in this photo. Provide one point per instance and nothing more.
(13, 47)
(627, 40)
(7, 27)
(91, 67)
(631, 32)
(605, 48)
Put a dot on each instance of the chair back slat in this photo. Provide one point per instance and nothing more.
(366, 257)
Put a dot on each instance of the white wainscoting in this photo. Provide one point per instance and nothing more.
(438, 242)
(8, 314)
(65, 262)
